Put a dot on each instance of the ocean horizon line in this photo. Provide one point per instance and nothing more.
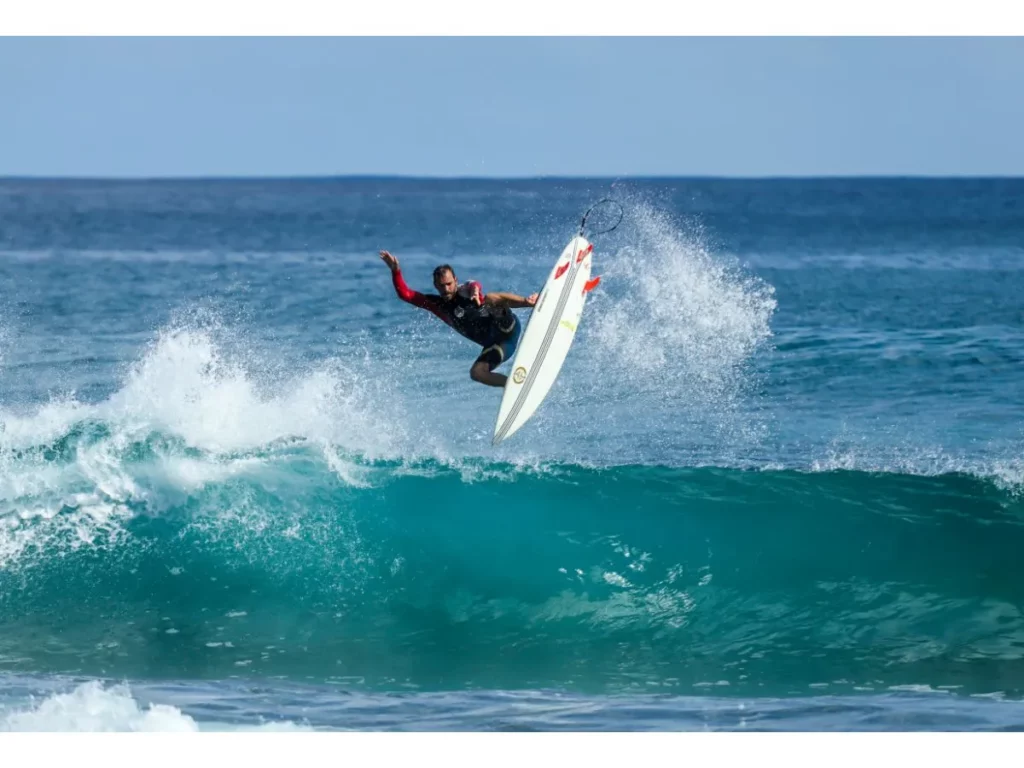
(478, 178)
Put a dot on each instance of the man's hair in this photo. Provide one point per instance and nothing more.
(439, 271)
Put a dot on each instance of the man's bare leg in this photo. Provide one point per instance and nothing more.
(479, 372)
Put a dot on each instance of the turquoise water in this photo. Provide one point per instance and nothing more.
(778, 484)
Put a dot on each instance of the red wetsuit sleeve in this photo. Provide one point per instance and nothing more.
(407, 294)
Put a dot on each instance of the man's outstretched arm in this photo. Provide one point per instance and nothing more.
(405, 293)
(510, 300)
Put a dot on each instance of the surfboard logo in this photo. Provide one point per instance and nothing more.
(519, 375)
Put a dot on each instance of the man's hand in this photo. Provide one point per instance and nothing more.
(390, 260)
(531, 299)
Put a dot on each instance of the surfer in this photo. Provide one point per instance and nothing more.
(486, 319)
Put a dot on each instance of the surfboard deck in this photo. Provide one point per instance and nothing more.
(546, 340)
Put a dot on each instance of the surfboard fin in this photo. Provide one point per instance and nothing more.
(591, 284)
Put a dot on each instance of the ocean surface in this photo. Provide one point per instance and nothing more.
(779, 483)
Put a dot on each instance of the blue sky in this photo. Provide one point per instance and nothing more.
(130, 107)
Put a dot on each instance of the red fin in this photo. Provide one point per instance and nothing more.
(584, 252)
(561, 270)
(591, 284)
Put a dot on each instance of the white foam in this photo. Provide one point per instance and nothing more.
(186, 386)
(189, 474)
(347, 471)
(1008, 475)
(43, 425)
(48, 505)
(93, 707)
(920, 460)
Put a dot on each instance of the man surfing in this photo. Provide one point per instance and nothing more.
(486, 319)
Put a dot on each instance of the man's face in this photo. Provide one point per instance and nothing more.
(446, 285)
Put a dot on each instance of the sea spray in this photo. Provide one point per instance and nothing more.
(678, 319)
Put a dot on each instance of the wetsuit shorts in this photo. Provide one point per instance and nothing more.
(502, 348)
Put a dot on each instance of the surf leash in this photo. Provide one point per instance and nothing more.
(590, 210)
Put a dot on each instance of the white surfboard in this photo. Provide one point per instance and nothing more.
(547, 337)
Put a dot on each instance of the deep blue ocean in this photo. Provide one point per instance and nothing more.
(779, 483)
